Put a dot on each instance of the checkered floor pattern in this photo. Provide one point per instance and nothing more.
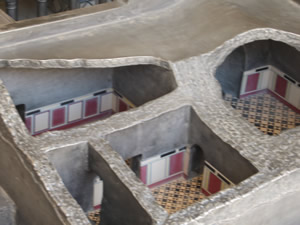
(178, 194)
(94, 217)
(266, 112)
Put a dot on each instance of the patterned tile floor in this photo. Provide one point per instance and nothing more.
(178, 194)
(266, 112)
(94, 217)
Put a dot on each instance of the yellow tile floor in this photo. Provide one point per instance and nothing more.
(178, 194)
(94, 217)
(265, 112)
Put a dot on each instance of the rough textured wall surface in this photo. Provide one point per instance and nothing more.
(119, 206)
(18, 174)
(7, 209)
(174, 30)
(71, 163)
(274, 157)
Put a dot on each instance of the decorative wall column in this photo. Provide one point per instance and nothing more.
(12, 8)
(74, 4)
(42, 9)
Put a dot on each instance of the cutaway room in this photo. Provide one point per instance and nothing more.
(180, 159)
(261, 81)
(57, 99)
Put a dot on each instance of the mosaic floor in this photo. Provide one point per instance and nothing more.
(266, 112)
(178, 194)
(94, 217)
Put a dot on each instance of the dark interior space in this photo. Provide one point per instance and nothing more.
(197, 161)
(134, 164)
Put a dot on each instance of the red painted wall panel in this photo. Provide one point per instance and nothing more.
(143, 174)
(91, 107)
(122, 106)
(252, 82)
(176, 163)
(205, 192)
(214, 184)
(281, 85)
(58, 117)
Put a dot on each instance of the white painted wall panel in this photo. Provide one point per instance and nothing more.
(107, 102)
(98, 192)
(265, 77)
(41, 122)
(294, 95)
(115, 103)
(158, 170)
(75, 111)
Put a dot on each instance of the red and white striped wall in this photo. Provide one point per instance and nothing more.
(162, 168)
(269, 78)
(213, 181)
(72, 112)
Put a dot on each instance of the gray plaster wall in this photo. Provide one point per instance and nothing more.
(71, 164)
(119, 206)
(153, 137)
(142, 83)
(253, 55)
(230, 72)
(218, 153)
(41, 87)
(22, 185)
(7, 209)
(286, 58)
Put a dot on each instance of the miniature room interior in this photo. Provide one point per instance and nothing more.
(149, 112)
(56, 99)
(180, 159)
(261, 80)
(92, 183)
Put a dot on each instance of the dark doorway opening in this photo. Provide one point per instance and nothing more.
(196, 161)
(134, 164)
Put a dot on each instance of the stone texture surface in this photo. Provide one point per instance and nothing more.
(276, 157)
(7, 209)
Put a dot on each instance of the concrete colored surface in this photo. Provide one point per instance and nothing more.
(4, 18)
(139, 22)
(194, 37)
(72, 165)
(119, 205)
(7, 209)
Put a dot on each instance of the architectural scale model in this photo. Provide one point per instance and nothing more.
(150, 112)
